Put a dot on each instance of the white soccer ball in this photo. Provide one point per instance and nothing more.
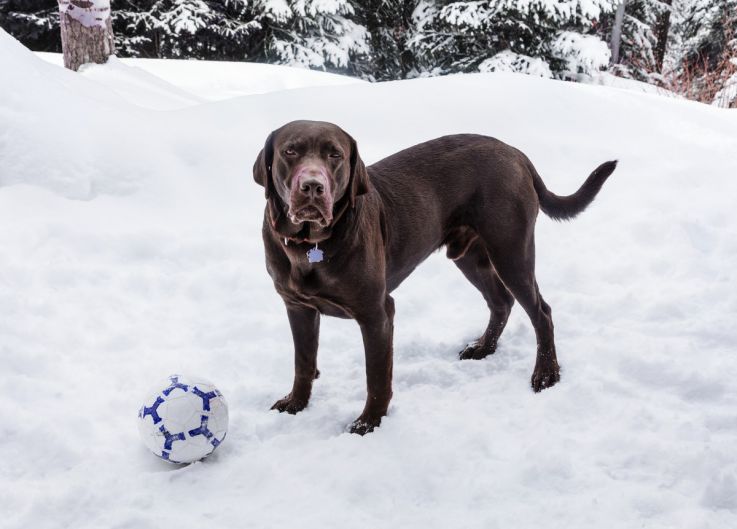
(184, 419)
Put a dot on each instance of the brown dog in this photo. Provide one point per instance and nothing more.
(339, 237)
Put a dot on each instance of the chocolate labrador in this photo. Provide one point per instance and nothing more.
(339, 237)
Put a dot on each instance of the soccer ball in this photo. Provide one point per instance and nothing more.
(183, 420)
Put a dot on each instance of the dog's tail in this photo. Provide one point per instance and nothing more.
(565, 208)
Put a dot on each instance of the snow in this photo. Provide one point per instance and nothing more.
(201, 80)
(608, 79)
(279, 10)
(187, 17)
(96, 13)
(582, 53)
(728, 94)
(471, 13)
(508, 61)
(130, 249)
(330, 38)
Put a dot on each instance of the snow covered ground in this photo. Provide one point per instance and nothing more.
(130, 249)
(203, 79)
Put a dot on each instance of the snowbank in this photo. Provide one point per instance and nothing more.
(214, 80)
(130, 249)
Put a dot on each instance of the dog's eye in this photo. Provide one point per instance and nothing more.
(290, 152)
(336, 154)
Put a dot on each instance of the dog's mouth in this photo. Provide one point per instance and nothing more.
(310, 213)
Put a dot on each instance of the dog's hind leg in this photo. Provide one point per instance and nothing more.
(476, 266)
(514, 261)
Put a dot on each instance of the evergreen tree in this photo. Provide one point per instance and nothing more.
(543, 37)
(662, 30)
(704, 60)
(186, 29)
(707, 31)
(389, 24)
(638, 56)
(322, 34)
(693, 40)
(135, 28)
(33, 22)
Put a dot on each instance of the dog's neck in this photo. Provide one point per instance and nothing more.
(305, 232)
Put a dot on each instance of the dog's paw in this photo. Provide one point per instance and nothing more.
(290, 404)
(476, 350)
(544, 378)
(364, 425)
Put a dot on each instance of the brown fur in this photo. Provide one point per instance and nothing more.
(473, 194)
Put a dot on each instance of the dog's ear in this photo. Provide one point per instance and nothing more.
(359, 181)
(262, 167)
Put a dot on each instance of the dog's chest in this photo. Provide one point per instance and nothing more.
(315, 283)
(310, 279)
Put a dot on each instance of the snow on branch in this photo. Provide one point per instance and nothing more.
(583, 54)
(508, 61)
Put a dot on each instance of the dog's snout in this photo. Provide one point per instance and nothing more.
(311, 181)
(311, 196)
(312, 187)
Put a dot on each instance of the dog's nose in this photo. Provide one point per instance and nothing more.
(311, 187)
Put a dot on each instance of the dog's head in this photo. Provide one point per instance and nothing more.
(312, 166)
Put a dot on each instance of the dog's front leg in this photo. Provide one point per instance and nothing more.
(305, 325)
(377, 329)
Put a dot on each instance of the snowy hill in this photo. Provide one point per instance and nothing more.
(203, 79)
(130, 249)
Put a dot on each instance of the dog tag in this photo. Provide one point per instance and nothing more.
(314, 255)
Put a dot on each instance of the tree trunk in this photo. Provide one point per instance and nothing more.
(86, 32)
(617, 32)
(661, 34)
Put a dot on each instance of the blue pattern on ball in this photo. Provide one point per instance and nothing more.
(165, 456)
(162, 441)
(205, 397)
(216, 442)
(202, 428)
(170, 438)
(174, 379)
(152, 411)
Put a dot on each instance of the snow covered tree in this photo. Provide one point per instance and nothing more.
(615, 40)
(688, 46)
(86, 32)
(186, 29)
(637, 56)
(540, 37)
(704, 61)
(388, 23)
(707, 28)
(33, 22)
(662, 29)
(322, 34)
(203, 30)
(136, 30)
